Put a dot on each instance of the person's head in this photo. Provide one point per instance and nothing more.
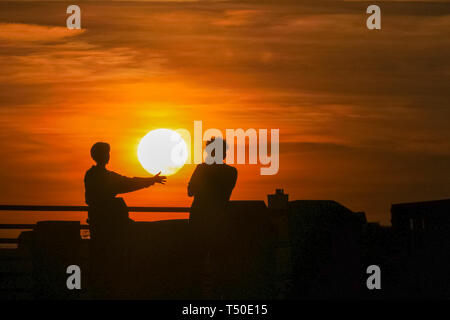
(217, 143)
(100, 153)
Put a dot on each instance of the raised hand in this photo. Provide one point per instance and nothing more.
(159, 179)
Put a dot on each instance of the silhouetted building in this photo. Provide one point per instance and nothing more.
(55, 245)
(278, 205)
(419, 217)
(380, 247)
(423, 234)
(249, 259)
(422, 223)
(325, 241)
(297, 249)
(278, 201)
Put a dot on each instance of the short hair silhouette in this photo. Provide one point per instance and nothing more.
(225, 146)
(100, 152)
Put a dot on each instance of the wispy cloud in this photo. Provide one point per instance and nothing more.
(17, 32)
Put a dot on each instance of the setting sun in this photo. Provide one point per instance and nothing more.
(162, 150)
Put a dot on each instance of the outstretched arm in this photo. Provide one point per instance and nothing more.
(122, 184)
(150, 181)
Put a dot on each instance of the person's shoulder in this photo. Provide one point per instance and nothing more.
(90, 171)
(231, 169)
(113, 174)
(202, 166)
(90, 174)
(95, 171)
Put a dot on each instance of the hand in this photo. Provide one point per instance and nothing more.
(159, 179)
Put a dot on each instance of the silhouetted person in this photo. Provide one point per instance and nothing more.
(108, 218)
(102, 186)
(211, 186)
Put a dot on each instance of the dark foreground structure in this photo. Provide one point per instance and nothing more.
(287, 250)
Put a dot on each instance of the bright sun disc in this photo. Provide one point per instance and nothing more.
(162, 150)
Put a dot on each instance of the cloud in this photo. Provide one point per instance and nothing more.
(51, 54)
(77, 63)
(17, 32)
(239, 17)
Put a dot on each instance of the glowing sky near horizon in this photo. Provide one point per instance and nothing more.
(363, 115)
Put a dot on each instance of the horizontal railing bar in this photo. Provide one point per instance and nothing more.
(70, 209)
(159, 209)
(84, 208)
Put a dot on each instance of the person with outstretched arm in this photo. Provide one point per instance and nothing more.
(102, 186)
(111, 229)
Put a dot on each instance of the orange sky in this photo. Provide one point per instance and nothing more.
(363, 115)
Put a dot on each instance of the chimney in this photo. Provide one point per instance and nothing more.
(278, 201)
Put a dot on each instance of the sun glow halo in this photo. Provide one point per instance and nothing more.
(162, 150)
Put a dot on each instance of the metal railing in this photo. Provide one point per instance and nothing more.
(35, 208)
